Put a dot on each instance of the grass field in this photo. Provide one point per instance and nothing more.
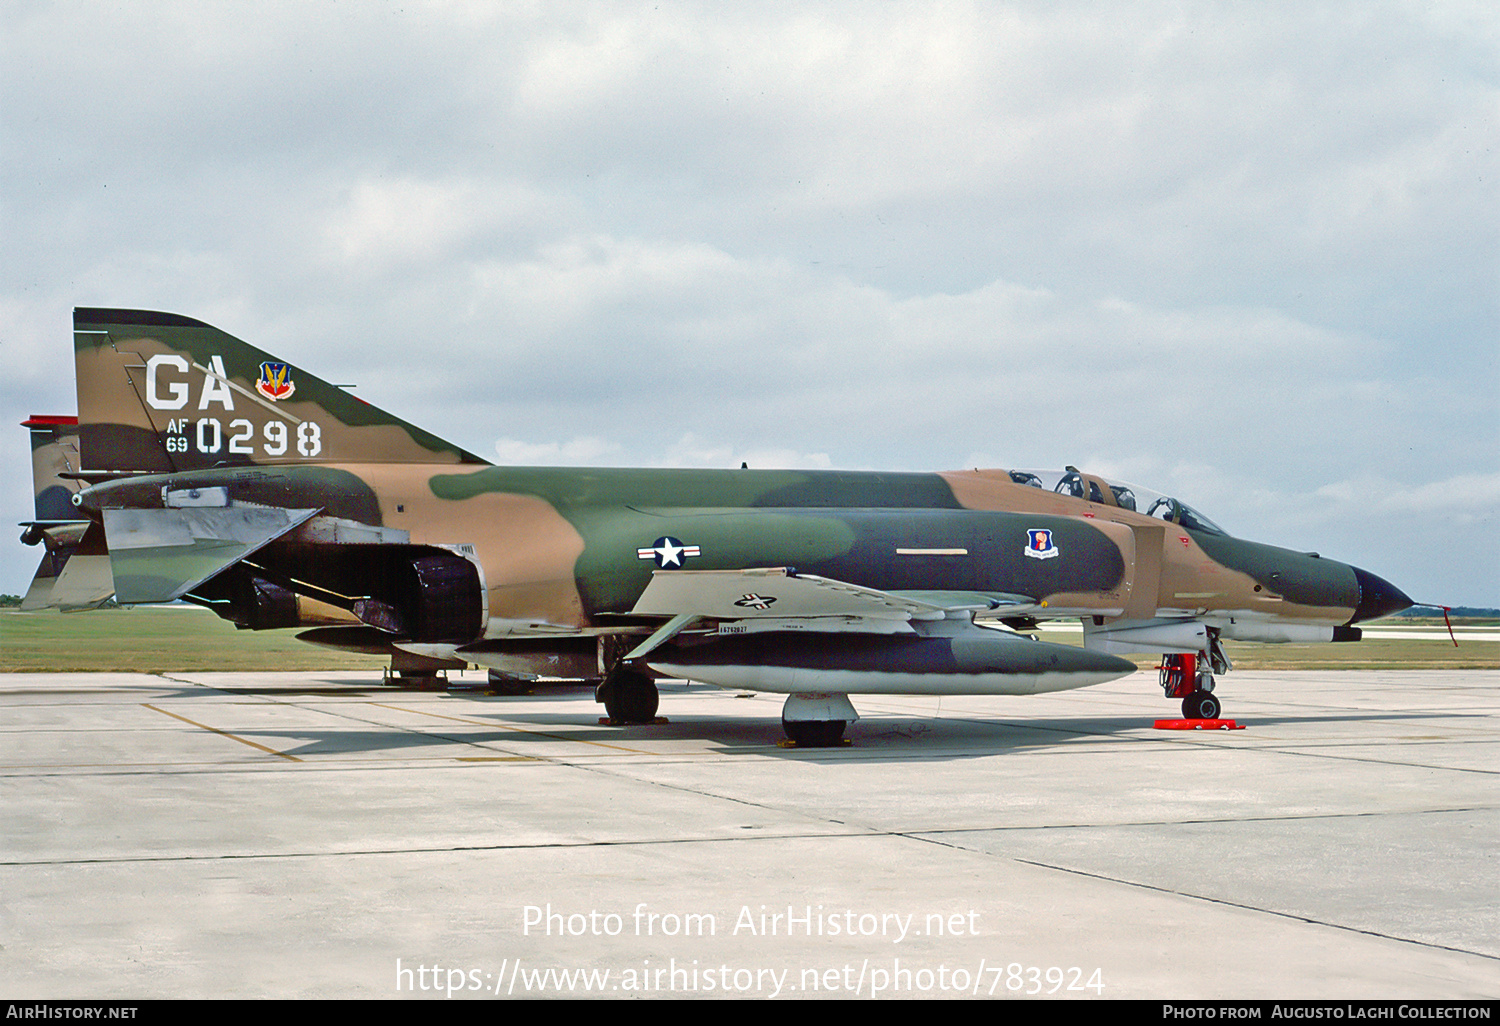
(155, 641)
(180, 639)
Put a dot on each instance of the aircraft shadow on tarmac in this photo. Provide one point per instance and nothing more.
(916, 738)
(750, 730)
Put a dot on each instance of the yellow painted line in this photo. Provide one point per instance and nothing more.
(499, 758)
(518, 730)
(225, 733)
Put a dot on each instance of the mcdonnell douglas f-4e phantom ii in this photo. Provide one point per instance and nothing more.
(208, 471)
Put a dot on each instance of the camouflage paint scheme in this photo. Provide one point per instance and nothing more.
(223, 475)
(54, 457)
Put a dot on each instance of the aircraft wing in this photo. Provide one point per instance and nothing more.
(781, 593)
(62, 539)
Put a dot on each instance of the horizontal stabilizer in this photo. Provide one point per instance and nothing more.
(158, 555)
(39, 594)
(85, 581)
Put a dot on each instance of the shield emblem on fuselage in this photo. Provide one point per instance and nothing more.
(1039, 544)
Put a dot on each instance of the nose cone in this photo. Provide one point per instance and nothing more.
(1377, 597)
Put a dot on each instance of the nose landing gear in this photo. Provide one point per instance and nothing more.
(1182, 677)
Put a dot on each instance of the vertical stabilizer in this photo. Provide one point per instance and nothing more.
(158, 393)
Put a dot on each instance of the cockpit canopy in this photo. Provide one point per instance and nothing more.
(1072, 481)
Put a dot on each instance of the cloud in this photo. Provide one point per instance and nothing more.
(1462, 499)
(578, 452)
(690, 451)
(400, 222)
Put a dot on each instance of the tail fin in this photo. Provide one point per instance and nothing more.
(159, 393)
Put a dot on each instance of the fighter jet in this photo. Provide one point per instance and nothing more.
(211, 472)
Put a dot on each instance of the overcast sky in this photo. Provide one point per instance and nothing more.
(1247, 254)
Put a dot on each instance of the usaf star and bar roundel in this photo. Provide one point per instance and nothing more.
(668, 552)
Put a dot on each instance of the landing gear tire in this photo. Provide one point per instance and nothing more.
(1200, 705)
(416, 680)
(814, 733)
(630, 697)
(505, 685)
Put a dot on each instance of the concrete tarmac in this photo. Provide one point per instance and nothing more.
(317, 835)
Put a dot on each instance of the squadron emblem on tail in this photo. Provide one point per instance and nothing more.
(275, 381)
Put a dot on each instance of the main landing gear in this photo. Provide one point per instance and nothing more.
(419, 673)
(416, 680)
(629, 696)
(509, 685)
(1182, 677)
